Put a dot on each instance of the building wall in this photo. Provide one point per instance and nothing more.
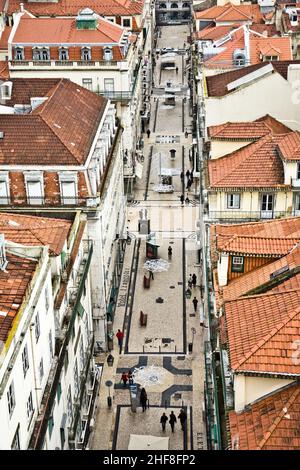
(219, 148)
(250, 203)
(249, 389)
(37, 349)
(238, 105)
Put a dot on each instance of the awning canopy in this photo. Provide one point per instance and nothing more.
(146, 442)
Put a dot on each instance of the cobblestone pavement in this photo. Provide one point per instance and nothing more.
(163, 346)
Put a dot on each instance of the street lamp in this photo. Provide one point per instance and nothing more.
(109, 383)
(110, 360)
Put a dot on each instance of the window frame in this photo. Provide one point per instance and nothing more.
(234, 196)
(86, 54)
(16, 437)
(4, 178)
(25, 360)
(37, 327)
(11, 398)
(29, 407)
(237, 267)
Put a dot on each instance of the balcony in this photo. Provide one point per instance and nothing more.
(122, 96)
(36, 64)
(38, 202)
(236, 216)
(47, 403)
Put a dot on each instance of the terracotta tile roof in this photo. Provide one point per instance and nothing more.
(271, 423)
(261, 332)
(64, 31)
(60, 131)
(72, 7)
(265, 29)
(231, 12)
(4, 38)
(247, 245)
(14, 282)
(217, 84)
(288, 228)
(25, 88)
(4, 70)
(290, 147)
(258, 46)
(214, 32)
(252, 130)
(35, 231)
(256, 165)
(261, 277)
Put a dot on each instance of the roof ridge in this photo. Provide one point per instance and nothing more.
(271, 333)
(278, 418)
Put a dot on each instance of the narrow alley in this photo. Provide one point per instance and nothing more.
(165, 355)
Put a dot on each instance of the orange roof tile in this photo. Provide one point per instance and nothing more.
(252, 130)
(260, 277)
(63, 30)
(246, 245)
(290, 147)
(231, 12)
(256, 165)
(14, 282)
(271, 423)
(261, 332)
(4, 38)
(214, 32)
(72, 7)
(60, 131)
(35, 231)
(4, 70)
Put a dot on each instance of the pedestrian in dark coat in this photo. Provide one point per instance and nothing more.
(189, 183)
(182, 199)
(124, 379)
(181, 176)
(192, 177)
(163, 420)
(172, 420)
(195, 302)
(187, 201)
(148, 133)
(130, 378)
(182, 418)
(194, 280)
(187, 174)
(143, 399)
(190, 281)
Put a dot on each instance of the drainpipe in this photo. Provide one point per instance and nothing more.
(34, 372)
(247, 43)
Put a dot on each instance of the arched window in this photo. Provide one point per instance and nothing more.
(36, 54)
(162, 5)
(85, 53)
(45, 54)
(63, 53)
(174, 5)
(108, 55)
(185, 5)
(239, 60)
(19, 53)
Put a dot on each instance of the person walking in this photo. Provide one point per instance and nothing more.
(124, 379)
(163, 420)
(143, 399)
(172, 420)
(176, 69)
(194, 280)
(187, 174)
(170, 252)
(189, 183)
(190, 281)
(187, 201)
(182, 199)
(148, 133)
(120, 336)
(192, 177)
(181, 175)
(182, 418)
(130, 378)
(195, 302)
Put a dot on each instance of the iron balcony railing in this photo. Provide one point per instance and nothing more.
(249, 215)
(40, 429)
(63, 63)
(89, 201)
(116, 95)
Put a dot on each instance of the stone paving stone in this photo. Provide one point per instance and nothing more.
(147, 423)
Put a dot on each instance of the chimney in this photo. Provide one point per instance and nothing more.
(22, 7)
(247, 43)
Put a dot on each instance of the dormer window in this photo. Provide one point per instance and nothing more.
(270, 57)
(108, 55)
(19, 53)
(41, 53)
(86, 53)
(126, 23)
(63, 53)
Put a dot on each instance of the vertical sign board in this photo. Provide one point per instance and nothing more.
(133, 397)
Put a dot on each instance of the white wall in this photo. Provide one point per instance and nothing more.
(256, 100)
(249, 389)
(219, 148)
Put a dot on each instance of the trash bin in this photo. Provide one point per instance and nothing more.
(109, 402)
(190, 347)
